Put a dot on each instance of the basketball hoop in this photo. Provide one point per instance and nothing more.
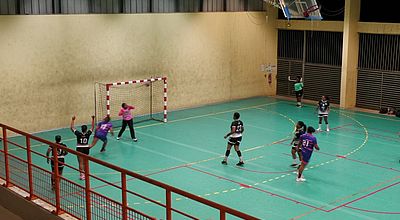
(310, 10)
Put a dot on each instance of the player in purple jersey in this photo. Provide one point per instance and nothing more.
(102, 130)
(307, 143)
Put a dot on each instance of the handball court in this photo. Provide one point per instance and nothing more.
(355, 175)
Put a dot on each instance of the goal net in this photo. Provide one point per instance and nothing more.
(148, 96)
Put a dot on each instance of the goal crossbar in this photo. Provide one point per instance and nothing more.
(156, 97)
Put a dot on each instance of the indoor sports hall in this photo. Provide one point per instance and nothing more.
(189, 109)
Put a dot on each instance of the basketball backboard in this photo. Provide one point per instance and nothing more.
(307, 9)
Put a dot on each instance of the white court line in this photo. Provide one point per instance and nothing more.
(198, 148)
(247, 124)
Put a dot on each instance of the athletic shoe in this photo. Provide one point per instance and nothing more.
(103, 149)
(118, 138)
(327, 130)
(224, 162)
(293, 164)
(301, 179)
(240, 163)
(319, 129)
(134, 139)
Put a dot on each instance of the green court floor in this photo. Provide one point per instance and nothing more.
(355, 175)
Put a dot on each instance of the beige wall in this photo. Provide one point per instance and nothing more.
(378, 28)
(48, 64)
(336, 26)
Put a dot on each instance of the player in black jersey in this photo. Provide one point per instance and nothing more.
(235, 137)
(300, 130)
(82, 143)
(323, 112)
(60, 156)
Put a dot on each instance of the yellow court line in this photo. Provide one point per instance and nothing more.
(257, 147)
(312, 167)
(285, 175)
(261, 146)
(337, 159)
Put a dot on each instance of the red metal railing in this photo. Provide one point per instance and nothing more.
(82, 201)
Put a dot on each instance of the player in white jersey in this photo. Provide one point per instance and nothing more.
(82, 143)
(235, 137)
(323, 112)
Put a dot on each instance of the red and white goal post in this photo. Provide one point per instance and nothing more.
(148, 96)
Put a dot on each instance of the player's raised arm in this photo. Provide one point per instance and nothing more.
(92, 123)
(72, 127)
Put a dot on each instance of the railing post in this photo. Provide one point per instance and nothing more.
(56, 176)
(222, 214)
(87, 189)
(6, 162)
(168, 205)
(30, 175)
(124, 197)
